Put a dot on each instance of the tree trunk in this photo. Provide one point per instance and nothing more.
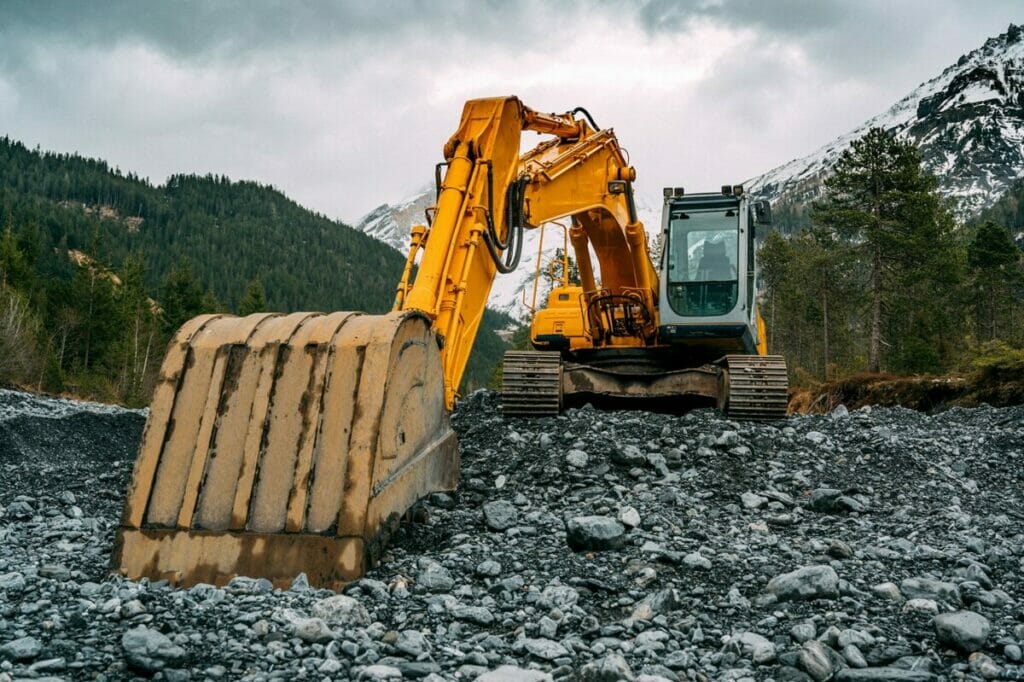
(875, 350)
(824, 330)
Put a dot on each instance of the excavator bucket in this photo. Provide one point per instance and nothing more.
(286, 444)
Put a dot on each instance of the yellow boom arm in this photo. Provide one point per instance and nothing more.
(491, 192)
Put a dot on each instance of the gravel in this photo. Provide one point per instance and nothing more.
(883, 545)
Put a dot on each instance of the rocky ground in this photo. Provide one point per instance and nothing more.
(881, 544)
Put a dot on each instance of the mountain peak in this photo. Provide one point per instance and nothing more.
(968, 123)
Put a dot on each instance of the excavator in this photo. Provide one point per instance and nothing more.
(279, 444)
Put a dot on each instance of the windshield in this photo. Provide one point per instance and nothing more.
(702, 257)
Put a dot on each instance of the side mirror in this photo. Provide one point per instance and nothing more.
(763, 212)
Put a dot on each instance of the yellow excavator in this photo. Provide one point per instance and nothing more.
(280, 444)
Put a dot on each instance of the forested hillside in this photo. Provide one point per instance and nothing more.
(99, 267)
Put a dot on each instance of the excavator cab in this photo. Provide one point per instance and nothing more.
(708, 297)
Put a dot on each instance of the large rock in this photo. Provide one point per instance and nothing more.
(964, 630)
(819, 660)
(596, 533)
(611, 668)
(22, 649)
(809, 582)
(883, 675)
(150, 650)
(500, 515)
(412, 642)
(548, 649)
(341, 610)
(754, 646)
(436, 578)
(926, 588)
(511, 673)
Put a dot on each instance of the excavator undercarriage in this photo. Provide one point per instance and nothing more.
(541, 383)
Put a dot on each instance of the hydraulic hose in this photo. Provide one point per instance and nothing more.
(590, 119)
(515, 223)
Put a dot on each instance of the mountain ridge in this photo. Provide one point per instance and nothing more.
(968, 123)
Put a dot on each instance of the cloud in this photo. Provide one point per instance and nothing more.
(346, 105)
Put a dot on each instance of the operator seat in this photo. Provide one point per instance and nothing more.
(715, 265)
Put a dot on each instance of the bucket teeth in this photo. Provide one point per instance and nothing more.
(280, 444)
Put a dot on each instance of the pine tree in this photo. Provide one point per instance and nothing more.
(881, 203)
(254, 300)
(996, 282)
(182, 297)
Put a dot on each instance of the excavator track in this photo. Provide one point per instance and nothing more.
(758, 387)
(531, 383)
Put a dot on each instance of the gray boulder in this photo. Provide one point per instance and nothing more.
(511, 673)
(150, 650)
(966, 631)
(22, 649)
(500, 515)
(809, 582)
(595, 533)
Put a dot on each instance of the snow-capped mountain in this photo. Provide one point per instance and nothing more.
(512, 293)
(968, 123)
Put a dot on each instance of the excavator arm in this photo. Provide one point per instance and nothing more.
(491, 192)
(285, 444)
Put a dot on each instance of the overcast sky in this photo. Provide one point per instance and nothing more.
(346, 105)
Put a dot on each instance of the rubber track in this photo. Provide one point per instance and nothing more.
(758, 387)
(531, 383)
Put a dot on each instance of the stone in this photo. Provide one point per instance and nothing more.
(628, 455)
(500, 515)
(595, 533)
(983, 665)
(806, 583)
(832, 501)
(435, 578)
(540, 647)
(695, 560)
(311, 630)
(245, 585)
(21, 649)
(380, 672)
(488, 568)
(300, 583)
(12, 582)
(853, 656)
(412, 642)
(474, 614)
(150, 650)
(629, 517)
(966, 631)
(926, 588)
(341, 610)
(752, 500)
(611, 668)
(888, 591)
(884, 674)
(54, 572)
(803, 631)
(577, 459)
(511, 673)
(818, 660)
(755, 647)
(919, 605)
